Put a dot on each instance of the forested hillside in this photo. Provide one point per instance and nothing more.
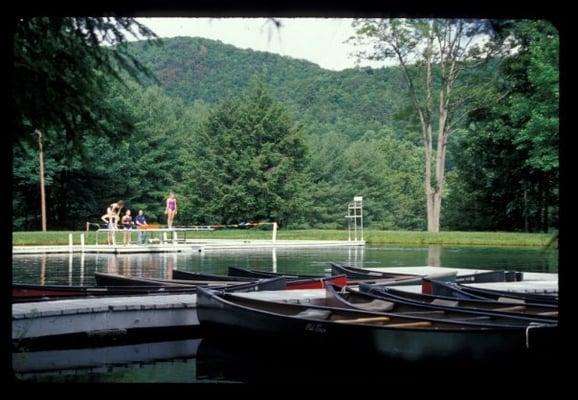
(351, 101)
(243, 135)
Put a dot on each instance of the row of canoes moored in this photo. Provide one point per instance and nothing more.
(363, 310)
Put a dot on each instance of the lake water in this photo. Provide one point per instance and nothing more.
(174, 358)
(64, 269)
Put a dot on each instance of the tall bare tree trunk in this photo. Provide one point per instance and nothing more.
(428, 140)
(449, 54)
(429, 193)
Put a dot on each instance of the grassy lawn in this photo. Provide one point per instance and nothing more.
(370, 236)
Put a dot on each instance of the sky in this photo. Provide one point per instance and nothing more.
(319, 40)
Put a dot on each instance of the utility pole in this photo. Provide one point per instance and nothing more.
(42, 196)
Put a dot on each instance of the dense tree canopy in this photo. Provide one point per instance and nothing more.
(247, 163)
(507, 160)
(240, 136)
(61, 72)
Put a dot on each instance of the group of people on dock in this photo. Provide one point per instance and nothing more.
(113, 217)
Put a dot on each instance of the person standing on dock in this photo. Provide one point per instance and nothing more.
(115, 211)
(141, 224)
(127, 226)
(171, 209)
(109, 219)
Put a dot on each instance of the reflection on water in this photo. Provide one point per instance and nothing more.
(113, 361)
(79, 269)
(192, 359)
(211, 359)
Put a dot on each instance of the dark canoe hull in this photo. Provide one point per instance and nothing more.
(201, 276)
(320, 283)
(240, 272)
(103, 279)
(547, 311)
(496, 294)
(22, 292)
(481, 277)
(465, 292)
(29, 293)
(349, 298)
(362, 274)
(292, 284)
(278, 283)
(36, 291)
(226, 318)
(20, 295)
(491, 276)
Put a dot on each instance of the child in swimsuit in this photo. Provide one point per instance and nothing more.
(127, 225)
(171, 209)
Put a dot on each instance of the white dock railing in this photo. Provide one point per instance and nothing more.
(174, 239)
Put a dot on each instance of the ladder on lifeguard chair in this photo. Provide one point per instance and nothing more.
(355, 218)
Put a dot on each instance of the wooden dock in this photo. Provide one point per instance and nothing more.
(102, 315)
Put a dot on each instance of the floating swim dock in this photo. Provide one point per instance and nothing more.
(200, 245)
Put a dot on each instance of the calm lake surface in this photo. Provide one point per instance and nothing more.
(64, 269)
(196, 359)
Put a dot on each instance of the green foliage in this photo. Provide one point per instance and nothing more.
(248, 163)
(293, 147)
(350, 101)
(507, 161)
(61, 73)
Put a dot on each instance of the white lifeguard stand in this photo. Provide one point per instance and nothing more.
(355, 217)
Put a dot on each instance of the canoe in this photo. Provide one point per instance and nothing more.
(354, 299)
(317, 283)
(30, 293)
(491, 276)
(292, 284)
(376, 280)
(396, 337)
(505, 307)
(200, 276)
(468, 292)
(480, 277)
(360, 273)
(105, 279)
(241, 272)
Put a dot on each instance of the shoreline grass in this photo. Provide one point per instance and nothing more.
(506, 239)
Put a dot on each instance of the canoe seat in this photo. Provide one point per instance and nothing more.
(549, 313)
(502, 299)
(367, 320)
(418, 324)
(313, 313)
(443, 302)
(376, 305)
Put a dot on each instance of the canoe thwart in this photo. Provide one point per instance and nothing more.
(363, 320)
